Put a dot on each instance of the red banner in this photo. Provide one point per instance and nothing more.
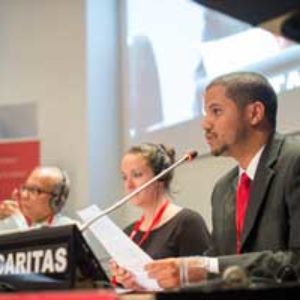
(17, 159)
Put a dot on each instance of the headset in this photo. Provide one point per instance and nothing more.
(60, 193)
(160, 161)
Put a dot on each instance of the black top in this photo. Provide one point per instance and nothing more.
(184, 234)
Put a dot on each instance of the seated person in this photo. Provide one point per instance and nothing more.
(256, 205)
(165, 229)
(38, 202)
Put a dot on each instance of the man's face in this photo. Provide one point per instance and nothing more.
(35, 195)
(224, 125)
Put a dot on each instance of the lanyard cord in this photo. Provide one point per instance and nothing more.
(155, 221)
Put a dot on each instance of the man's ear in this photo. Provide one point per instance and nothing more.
(255, 112)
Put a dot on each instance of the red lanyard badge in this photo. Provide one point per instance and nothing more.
(155, 221)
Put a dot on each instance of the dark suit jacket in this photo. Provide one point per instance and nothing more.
(272, 221)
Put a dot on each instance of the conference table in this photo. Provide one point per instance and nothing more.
(57, 263)
(284, 291)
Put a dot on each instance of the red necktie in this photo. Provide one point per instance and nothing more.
(242, 197)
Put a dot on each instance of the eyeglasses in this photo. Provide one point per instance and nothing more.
(34, 190)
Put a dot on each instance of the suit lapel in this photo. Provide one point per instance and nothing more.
(262, 180)
(228, 209)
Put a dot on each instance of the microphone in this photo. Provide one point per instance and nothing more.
(235, 277)
(187, 157)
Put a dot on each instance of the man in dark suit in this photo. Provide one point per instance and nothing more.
(262, 233)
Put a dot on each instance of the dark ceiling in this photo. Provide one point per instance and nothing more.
(251, 11)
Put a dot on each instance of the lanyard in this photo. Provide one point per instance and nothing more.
(155, 221)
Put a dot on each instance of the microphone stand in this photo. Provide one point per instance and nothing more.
(189, 156)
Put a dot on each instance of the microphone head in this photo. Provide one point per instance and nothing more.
(235, 276)
(191, 155)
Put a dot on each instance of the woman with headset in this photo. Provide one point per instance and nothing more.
(164, 229)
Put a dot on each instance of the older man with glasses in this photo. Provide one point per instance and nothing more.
(38, 202)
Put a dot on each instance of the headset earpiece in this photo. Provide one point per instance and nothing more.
(162, 161)
(60, 193)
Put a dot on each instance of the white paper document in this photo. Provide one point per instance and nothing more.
(122, 249)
